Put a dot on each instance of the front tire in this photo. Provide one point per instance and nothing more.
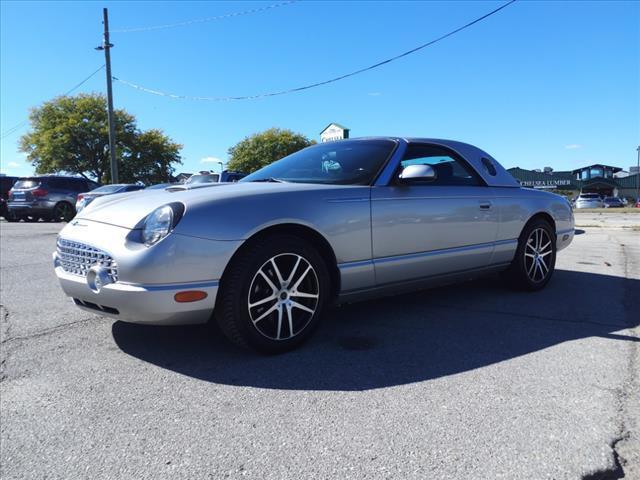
(535, 259)
(273, 293)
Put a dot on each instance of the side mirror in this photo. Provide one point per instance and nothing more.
(417, 173)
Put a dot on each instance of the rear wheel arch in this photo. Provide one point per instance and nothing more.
(540, 216)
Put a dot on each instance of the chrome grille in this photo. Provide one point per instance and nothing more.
(77, 258)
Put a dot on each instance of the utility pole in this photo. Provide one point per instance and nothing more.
(106, 46)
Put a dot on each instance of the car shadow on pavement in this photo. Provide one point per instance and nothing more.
(403, 339)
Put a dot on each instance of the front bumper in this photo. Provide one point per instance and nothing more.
(564, 238)
(147, 277)
(150, 304)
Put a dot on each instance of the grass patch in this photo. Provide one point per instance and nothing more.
(607, 211)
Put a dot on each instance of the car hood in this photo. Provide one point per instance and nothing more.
(130, 209)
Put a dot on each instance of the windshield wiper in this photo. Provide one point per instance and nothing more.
(270, 179)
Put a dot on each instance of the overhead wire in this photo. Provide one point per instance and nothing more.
(315, 84)
(205, 20)
(18, 126)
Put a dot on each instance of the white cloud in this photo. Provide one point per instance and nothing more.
(572, 146)
(210, 160)
(374, 94)
(12, 165)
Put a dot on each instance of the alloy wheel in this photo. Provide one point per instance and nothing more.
(283, 296)
(537, 259)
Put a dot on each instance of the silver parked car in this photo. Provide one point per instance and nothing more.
(589, 200)
(335, 222)
(86, 198)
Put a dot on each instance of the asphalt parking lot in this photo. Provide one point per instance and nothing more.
(472, 381)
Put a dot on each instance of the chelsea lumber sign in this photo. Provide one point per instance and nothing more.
(551, 183)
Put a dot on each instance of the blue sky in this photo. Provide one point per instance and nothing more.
(539, 83)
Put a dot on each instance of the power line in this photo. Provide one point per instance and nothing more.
(316, 84)
(18, 126)
(15, 128)
(82, 82)
(205, 20)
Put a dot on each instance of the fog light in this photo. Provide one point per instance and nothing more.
(56, 259)
(98, 277)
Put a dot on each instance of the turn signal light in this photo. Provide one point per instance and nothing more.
(190, 296)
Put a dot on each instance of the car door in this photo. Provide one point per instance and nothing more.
(444, 225)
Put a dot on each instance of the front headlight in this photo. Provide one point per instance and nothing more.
(161, 222)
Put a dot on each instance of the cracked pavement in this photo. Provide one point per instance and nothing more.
(462, 382)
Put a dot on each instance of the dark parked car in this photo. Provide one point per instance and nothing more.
(50, 197)
(613, 202)
(86, 198)
(231, 176)
(5, 185)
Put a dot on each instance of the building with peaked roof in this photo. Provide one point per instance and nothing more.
(333, 131)
(596, 178)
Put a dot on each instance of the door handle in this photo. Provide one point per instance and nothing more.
(485, 205)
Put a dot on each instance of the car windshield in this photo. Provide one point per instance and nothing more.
(589, 196)
(107, 189)
(612, 200)
(348, 162)
(208, 178)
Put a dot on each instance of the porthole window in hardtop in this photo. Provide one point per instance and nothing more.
(489, 166)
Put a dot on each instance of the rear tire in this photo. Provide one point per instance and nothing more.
(535, 259)
(273, 294)
(63, 212)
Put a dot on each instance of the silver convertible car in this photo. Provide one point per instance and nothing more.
(336, 222)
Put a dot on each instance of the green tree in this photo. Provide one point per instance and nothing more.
(261, 149)
(71, 134)
(150, 158)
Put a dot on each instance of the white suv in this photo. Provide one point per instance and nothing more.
(589, 200)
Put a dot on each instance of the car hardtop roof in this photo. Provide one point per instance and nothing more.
(454, 144)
